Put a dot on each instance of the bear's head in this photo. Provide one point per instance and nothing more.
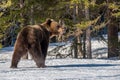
(54, 27)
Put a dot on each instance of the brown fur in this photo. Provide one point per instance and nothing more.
(35, 39)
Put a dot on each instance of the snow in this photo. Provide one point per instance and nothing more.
(62, 69)
(99, 49)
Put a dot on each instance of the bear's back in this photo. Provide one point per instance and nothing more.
(32, 34)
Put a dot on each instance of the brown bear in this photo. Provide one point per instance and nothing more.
(35, 40)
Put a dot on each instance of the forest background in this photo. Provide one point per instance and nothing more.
(83, 19)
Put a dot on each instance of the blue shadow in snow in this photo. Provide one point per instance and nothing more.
(83, 65)
(100, 50)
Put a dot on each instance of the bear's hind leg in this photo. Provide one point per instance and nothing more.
(18, 53)
(37, 56)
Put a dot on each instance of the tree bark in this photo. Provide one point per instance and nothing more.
(84, 45)
(32, 11)
(88, 35)
(74, 12)
(75, 48)
(88, 43)
(80, 52)
(113, 38)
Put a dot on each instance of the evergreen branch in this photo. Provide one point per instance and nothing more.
(1, 31)
(102, 25)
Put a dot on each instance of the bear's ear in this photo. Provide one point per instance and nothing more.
(48, 21)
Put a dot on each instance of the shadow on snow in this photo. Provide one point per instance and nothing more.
(84, 65)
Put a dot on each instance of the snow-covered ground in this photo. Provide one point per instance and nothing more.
(62, 69)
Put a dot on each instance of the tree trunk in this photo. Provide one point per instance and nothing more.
(75, 40)
(84, 45)
(32, 11)
(118, 35)
(113, 39)
(88, 35)
(21, 5)
(80, 52)
(75, 48)
(88, 43)
(74, 14)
